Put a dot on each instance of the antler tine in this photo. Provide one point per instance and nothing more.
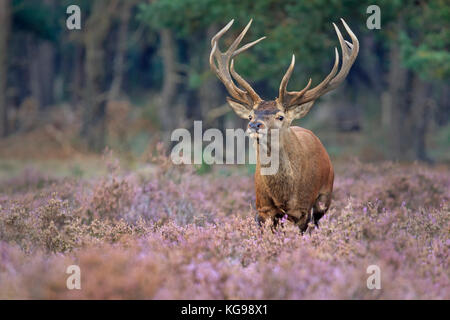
(238, 40)
(247, 46)
(344, 47)
(283, 94)
(298, 95)
(285, 80)
(289, 99)
(347, 59)
(334, 78)
(244, 83)
(249, 97)
(317, 90)
(222, 73)
(221, 32)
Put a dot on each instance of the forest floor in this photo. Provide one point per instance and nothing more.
(159, 231)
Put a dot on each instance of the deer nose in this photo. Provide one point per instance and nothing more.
(256, 125)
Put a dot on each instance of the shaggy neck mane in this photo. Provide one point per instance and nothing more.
(284, 168)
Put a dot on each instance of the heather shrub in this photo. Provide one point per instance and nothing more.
(393, 185)
(165, 232)
(28, 180)
(110, 198)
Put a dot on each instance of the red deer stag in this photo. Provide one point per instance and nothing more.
(302, 186)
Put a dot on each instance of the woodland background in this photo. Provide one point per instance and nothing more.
(139, 69)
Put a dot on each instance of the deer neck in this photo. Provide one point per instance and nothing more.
(284, 170)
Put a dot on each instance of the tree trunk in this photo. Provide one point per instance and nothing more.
(420, 114)
(97, 27)
(5, 18)
(210, 91)
(372, 71)
(76, 80)
(408, 110)
(41, 71)
(170, 82)
(400, 143)
(119, 59)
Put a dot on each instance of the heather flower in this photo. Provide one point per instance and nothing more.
(168, 233)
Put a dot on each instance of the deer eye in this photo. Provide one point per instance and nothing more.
(280, 118)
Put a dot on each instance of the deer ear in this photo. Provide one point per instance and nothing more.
(300, 111)
(241, 110)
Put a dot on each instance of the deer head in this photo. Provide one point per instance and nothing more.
(290, 105)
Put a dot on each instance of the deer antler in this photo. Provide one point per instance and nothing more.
(223, 68)
(289, 99)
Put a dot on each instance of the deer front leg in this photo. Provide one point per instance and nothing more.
(264, 205)
(300, 217)
(266, 210)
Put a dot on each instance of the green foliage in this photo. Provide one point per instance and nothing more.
(426, 45)
(422, 28)
(427, 62)
(180, 15)
(289, 25)
(37, 18)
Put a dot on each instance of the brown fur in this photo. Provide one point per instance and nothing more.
(304, 180)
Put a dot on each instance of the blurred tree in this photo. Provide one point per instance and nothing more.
(5, 18)
(418, 40)
(209, 90)
(288, 26)
(413, 40)
(125, 11)
(97, 28)
(38, 21)
(168, 51)
(401, 73)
